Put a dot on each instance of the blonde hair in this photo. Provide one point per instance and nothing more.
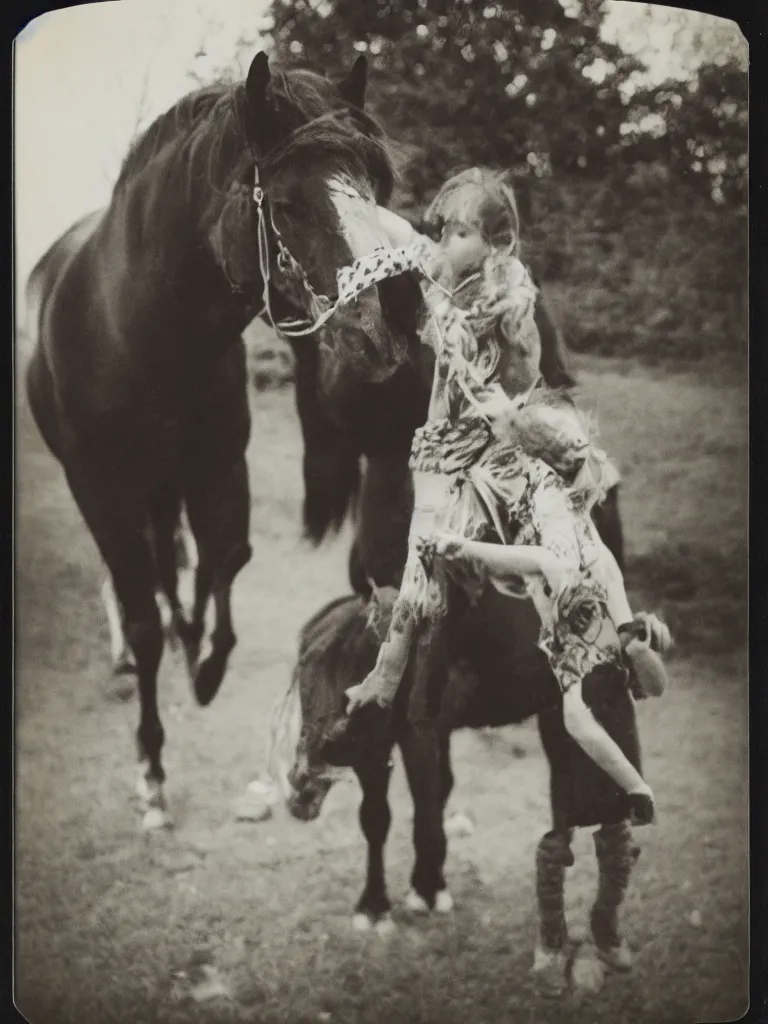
(480, 197)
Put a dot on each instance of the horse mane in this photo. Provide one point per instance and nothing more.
(172, 126)
(212, 121)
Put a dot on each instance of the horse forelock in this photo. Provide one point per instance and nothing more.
(326, 126)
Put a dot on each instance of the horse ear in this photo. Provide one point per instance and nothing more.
(261, 121)
(258, 78)
(352, 88)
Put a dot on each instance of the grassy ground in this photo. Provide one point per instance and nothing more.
(116, 926)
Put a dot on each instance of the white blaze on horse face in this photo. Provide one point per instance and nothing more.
(358, 216)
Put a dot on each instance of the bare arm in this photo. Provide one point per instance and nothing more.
(504, 560)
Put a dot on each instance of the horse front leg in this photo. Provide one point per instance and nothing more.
(218, 505)
(616, 853)
(373, 907)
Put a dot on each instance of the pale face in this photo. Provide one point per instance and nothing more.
(463, 246)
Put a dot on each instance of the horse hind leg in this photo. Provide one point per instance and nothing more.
(373, 907)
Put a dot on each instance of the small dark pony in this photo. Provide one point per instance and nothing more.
(241, 200)
(507, 678)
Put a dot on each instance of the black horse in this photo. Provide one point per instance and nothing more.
(240, 200)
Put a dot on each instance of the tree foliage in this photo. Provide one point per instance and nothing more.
(638, 213)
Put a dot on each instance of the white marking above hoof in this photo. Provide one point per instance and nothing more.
(156, 818)
(385, 926)
(444, 902)
(459, 825)
(415, 903)
(266, 790)
(361, 922)
(619, 958)
(548, 971)
(587, 972)
(206, 650)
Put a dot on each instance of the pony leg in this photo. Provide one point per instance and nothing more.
(616, 853)
(553, 856)
(375, 818)
(218, 507)
(425, 750)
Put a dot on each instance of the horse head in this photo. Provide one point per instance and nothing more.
(321, 168)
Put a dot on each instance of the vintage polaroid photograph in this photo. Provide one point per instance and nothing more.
(381, 481)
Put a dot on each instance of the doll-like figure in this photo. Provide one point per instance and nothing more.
(499, 453)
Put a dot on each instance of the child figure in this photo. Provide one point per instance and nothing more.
(498, 452)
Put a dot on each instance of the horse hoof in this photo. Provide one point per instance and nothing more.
(415, 903)
(385, 926)
(361, 922)
(587, 972)
(549, 971)
(618, 958)
(459, 825)
(122, 685)
(209, 676)
(444, 902)
(156, 818)
(124, 665)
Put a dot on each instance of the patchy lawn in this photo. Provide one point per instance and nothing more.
(221, 921)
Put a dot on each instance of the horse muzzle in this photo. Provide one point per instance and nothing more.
(361, 335)
(308, 789)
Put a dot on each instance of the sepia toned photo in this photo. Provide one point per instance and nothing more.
(381, 488)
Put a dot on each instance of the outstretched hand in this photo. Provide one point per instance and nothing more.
(657, 633)
(450, 546)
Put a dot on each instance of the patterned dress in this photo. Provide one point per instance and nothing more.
(486, 466)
